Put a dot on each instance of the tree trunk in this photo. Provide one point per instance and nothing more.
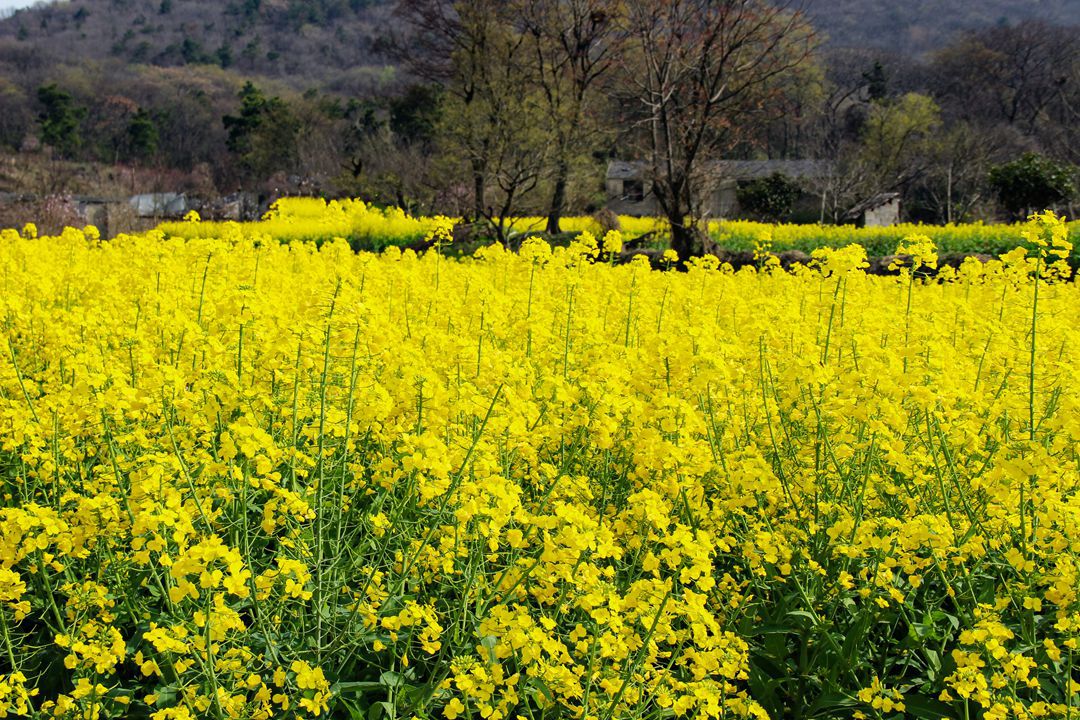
(558, 198)
(479, 200)
(948, 197)
(683, 239)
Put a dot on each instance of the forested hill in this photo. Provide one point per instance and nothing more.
(313, 42)
(913, 27)
(306, 42)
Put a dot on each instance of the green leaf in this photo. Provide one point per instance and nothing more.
(166, 695)
(538, 684)
(831, 705)
(767, 630)
(926, 708)
(488, 643)
(765, 684)
(392, 679)
(379, 710)
(356, 712)
(933, 663)
(360, 687)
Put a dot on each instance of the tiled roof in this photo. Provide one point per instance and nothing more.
(872, 203)
(733, 169)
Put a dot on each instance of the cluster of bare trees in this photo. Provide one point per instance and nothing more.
(700, 73)
(534, 86)
(934, 128)
(535, 94)
(522, 87)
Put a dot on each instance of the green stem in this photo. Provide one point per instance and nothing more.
(1031, 367)
(320, 510)
(7, 641)
(907, 319)
(832, 316)
(566, 345)
(19, 377)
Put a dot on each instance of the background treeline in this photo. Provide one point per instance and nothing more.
(491, 109)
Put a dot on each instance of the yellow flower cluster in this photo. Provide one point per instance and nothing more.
(15, 697)
(921, 251)
(315, 220)
(251, 479)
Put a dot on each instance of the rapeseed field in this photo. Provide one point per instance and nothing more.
(249, 479)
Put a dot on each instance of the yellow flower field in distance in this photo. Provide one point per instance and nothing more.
(365, 227)
(250, 479)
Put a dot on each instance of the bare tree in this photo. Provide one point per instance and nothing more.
(700, 70)
(493, 118)
(1012, 74)
(841, 118)
(960, 158)
(467, 48)
(575, 44)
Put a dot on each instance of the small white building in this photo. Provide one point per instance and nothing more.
(881, 210)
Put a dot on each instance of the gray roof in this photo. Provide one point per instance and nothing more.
(622, 170)
(753, 169)
(872, 203)
(733, 169)
(159, 204)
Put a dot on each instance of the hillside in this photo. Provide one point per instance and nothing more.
(918, 26)
(304, 42)
(316, 42)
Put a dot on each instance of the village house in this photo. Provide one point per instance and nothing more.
(881, 210)
(628, 189)
(138, 212)
(628, 192)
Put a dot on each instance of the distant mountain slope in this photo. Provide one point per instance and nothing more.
(307, 42)
(917, 26)
(311, 42)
